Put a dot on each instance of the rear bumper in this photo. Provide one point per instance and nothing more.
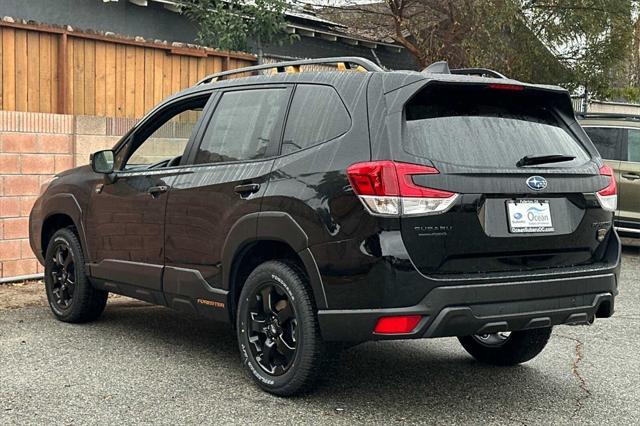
(485, 308)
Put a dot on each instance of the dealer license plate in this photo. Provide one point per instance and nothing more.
(529, 216)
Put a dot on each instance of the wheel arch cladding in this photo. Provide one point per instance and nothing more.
(276, 236)
(62, 210)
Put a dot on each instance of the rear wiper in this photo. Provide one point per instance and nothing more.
(543, 159)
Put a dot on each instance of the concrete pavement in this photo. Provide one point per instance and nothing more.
(145, 364)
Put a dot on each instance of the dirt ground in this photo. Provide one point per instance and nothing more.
(144, 364)
(22, 294)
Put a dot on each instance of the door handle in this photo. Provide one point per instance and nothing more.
(631, 176)
(154, 191)
(247, 189)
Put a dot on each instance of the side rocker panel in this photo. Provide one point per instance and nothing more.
(187, 291)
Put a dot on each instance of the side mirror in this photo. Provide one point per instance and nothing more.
(102, 161)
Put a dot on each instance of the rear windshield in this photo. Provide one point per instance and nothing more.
(482, 127)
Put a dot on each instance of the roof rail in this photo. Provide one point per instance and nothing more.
(346, 61)
(612, 115)
(481, 72)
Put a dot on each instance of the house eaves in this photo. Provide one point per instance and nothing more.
(342, 37)
(294, 28)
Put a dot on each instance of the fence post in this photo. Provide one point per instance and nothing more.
(62, 74)
(225, 63)
(585, 101)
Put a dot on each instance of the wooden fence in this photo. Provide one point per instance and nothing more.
(50, 69)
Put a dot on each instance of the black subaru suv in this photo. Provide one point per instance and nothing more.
(306, 208)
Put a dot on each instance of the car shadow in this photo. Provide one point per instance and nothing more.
(434, 374)
(631, 247)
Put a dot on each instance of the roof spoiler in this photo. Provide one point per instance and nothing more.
(442, 67)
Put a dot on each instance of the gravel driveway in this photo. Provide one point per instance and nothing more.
(147, 364)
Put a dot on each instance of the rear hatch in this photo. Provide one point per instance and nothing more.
(523, 177)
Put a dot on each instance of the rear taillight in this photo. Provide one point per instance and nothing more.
(608, 196)
(401, 324)
(386, 188)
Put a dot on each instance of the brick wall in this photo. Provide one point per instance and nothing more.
(33, 147)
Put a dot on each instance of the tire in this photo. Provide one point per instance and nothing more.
(518, 347)
(71, 296)
(277, 330)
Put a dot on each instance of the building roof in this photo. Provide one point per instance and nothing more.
(305, 23)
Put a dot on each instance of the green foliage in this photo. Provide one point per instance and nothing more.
(592, 38)
(235, 24)
(576, 43)
(622, 94)
(499, 38)
(580, 44)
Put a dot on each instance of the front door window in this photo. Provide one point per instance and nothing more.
(162, 140)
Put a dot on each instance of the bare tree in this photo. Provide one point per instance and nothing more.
(425, 28)
(576, 42)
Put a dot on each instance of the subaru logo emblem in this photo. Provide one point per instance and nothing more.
(537, 183)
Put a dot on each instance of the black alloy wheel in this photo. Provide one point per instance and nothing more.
(277, 328)
(63, 276)
(71, 295)
(273, 329)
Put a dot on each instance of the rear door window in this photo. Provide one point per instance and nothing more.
(479, 127)
(607, 141)
(317, 115)
(246, 125)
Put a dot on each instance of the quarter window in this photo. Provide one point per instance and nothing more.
(244, 126)
(317, 115)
